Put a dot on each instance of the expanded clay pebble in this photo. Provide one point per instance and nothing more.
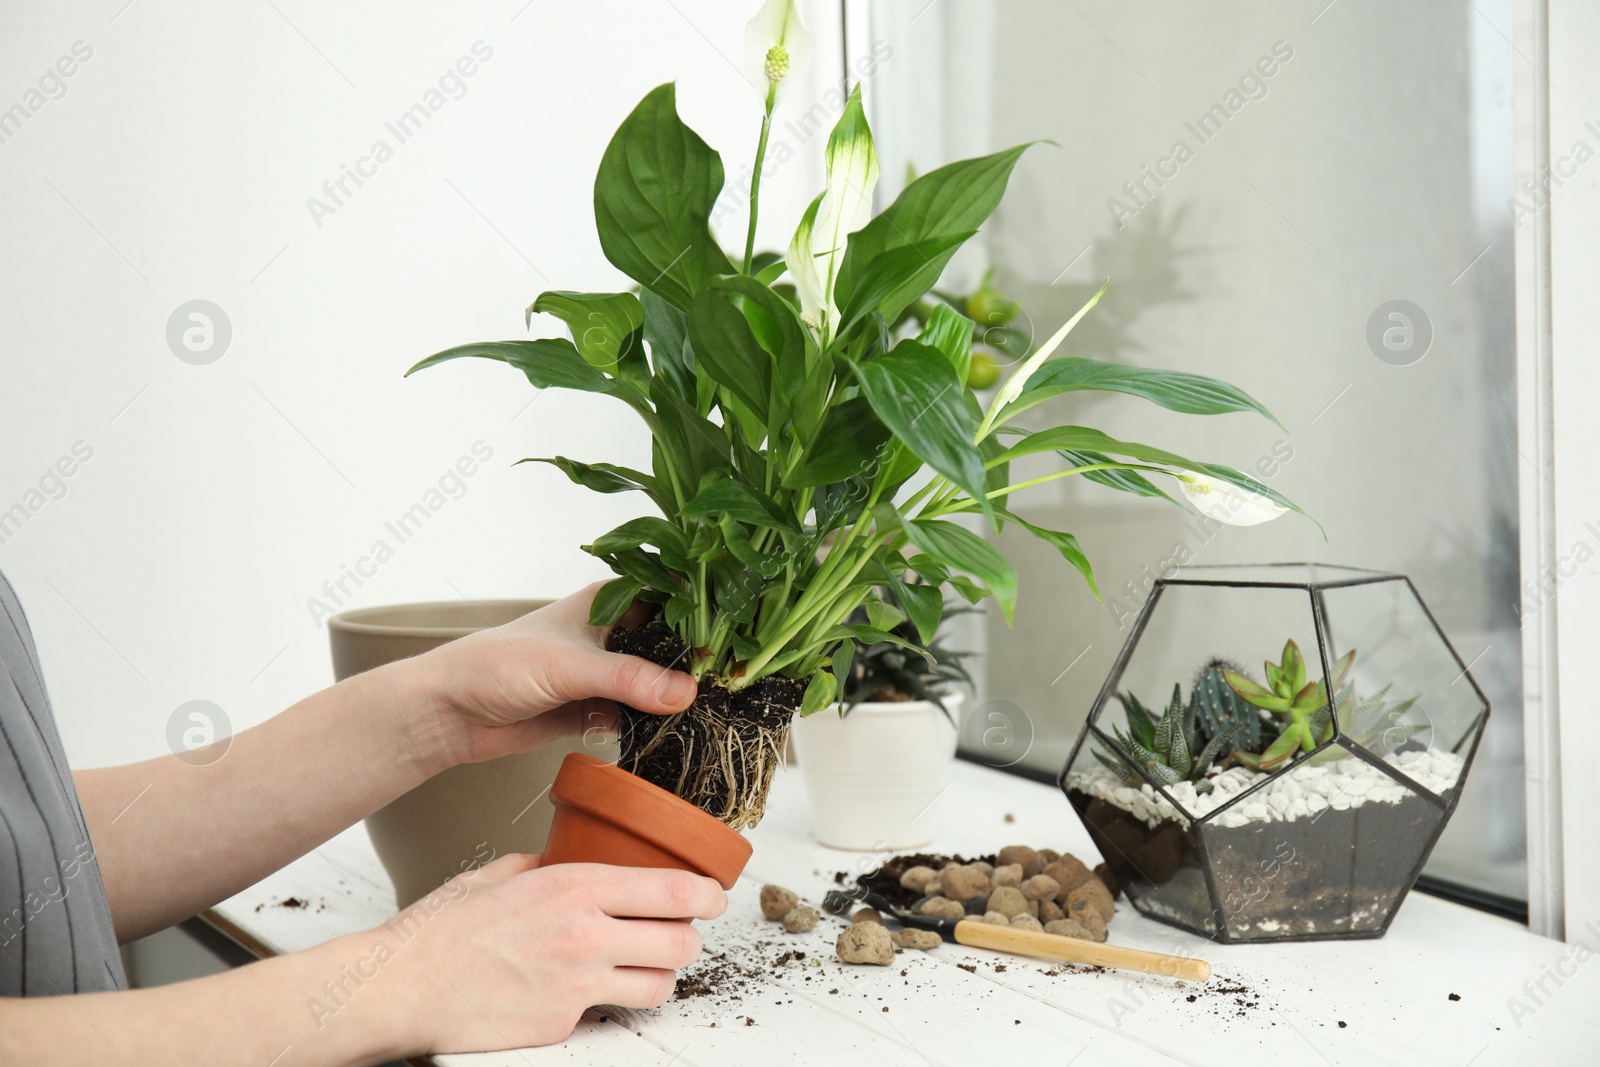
(1047, 856)
(1007, 874)
(867, 915)
(1008, 901)
(922, 939)
(943, 908)
(963, 883)
(1041, 887)
(917, 878)
(776, 902)
(1023, 855)
(801, 920)
(865, 943)
(1026, 922)
(995, 918)
(1070, 872)
(1067, 928)
(1091, 894)
(1050, 911)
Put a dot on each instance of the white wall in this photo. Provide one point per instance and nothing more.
(218, 499)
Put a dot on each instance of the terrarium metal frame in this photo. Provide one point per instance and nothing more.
(1218, 916)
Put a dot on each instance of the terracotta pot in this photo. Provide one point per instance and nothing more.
(606, 815)
(455, 819)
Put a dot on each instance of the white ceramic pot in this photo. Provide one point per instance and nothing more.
(877, 776)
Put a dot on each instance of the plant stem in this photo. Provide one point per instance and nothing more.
(755, 178)
(966, 502)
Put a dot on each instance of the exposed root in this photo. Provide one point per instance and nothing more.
(720, 754)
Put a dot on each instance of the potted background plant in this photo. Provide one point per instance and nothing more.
(801, 456)
(1297, 804)
(876, 764)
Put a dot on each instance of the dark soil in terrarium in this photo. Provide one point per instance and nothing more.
(721, 753)
(1333, 874)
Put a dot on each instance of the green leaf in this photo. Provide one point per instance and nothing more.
(601, 323)
(964, 550)
(645, 568)
(612, 600)
(925, 606)
(653, 196)
(738, 541)
(649, 530)
(1064, 543)
(694, 445)
(1141, 724)
(742, 502)
(737, 589)
(844, 654)
(601, 477)
(883, 615)
(726, 348)
(1083, 438)
(970, 591)
(953, 200)
(871, 635)
(850, 444)
(915, 391)
(677, 609)
(819, 693)
(1190, 394)
(896, 277)
(1125, 481)
(951, 333)
(931, 570)
(552, 362)
(666, 331)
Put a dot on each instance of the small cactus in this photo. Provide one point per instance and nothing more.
(1220, 708)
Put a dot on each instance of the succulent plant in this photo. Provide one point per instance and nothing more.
(1219, 708)
(1167, 748)
(1301, 705)
(1372, 722)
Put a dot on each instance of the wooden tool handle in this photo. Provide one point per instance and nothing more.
(1074, 950)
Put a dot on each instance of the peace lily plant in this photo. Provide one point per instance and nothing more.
(803, 458)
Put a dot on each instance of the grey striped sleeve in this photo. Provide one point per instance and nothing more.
(55, 928)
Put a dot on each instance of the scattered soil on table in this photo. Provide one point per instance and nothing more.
(728, 978)
(292, 902)
(1226, 998)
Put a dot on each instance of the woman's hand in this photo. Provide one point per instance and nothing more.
(546, 675)
(512, 954)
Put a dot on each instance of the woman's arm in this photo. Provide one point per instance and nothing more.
(173, 838)
(505, 956)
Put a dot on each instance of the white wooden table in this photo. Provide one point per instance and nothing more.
(968, 1006)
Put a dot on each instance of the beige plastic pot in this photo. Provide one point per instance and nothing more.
(876, 777)
(452, 821)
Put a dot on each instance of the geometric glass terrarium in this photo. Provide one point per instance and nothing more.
(1276, 750)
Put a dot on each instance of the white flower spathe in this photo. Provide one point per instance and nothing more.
(777, 49)
(1227, 503)
(818, 247)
